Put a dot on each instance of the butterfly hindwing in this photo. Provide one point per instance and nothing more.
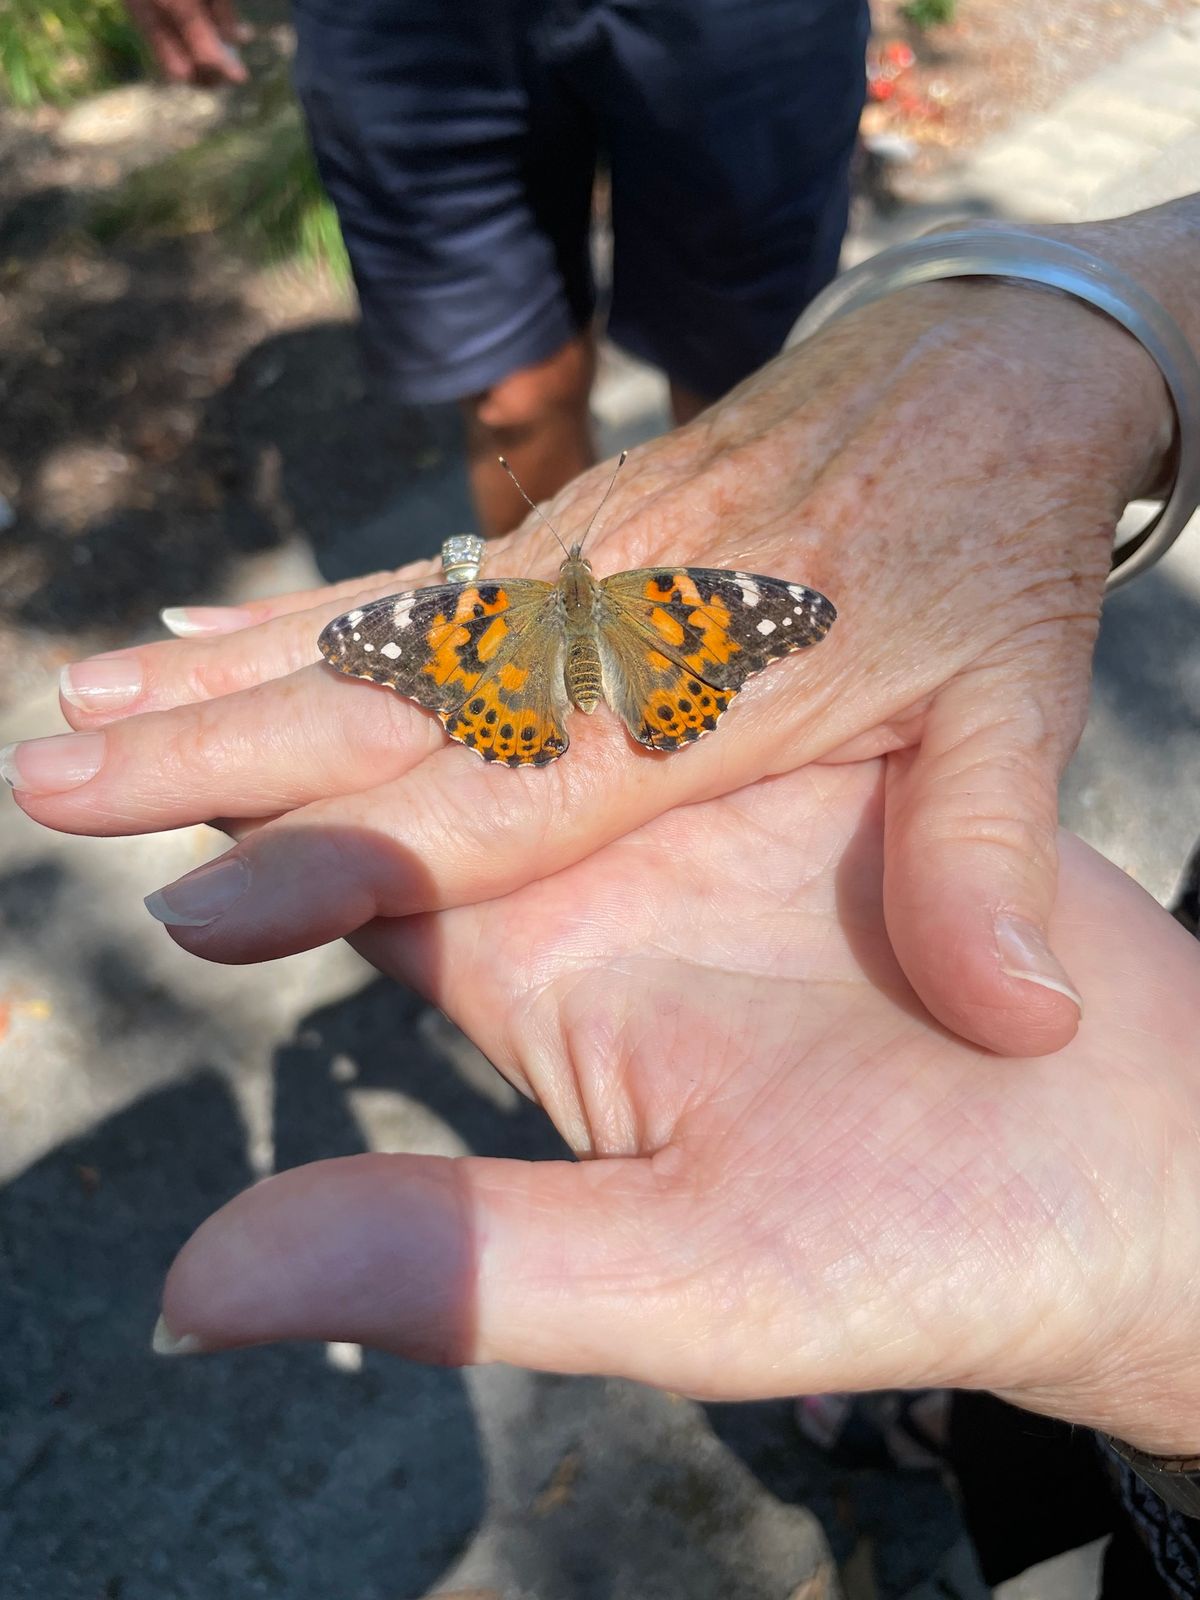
(487, 657)
(678, 644)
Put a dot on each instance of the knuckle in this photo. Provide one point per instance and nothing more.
(196, 744)
(213, 673)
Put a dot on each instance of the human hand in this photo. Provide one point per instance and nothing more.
(799, 1181)
(192, 40)
(946, 466)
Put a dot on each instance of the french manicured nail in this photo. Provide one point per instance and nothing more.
(105, 684)
(187, 622)
(203, 896)
(53, 765)
(1025, 954)
(165, 1343)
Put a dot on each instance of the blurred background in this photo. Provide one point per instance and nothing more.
(183, 418)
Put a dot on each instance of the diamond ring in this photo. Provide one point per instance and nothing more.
(462, 557)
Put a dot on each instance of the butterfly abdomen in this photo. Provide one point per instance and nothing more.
(585, 684)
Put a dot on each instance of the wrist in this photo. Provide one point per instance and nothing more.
(1021, 256)
(1160, 250)
(1103, 390)
(1142, 1388)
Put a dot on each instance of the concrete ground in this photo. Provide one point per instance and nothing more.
(139, 1089)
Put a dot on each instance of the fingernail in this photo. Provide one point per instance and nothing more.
(165, 1343)
(203, 896)
(1025, 954)
(105, 684)
(187, 621)
(54, 765)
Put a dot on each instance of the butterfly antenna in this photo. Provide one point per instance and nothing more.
(531, 505)
(621, 459)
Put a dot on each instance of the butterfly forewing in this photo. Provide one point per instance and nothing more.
(678, 644)
(487, 657)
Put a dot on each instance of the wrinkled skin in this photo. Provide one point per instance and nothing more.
(799, 1180)
(947, 466)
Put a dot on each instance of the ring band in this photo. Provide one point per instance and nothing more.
(462, 557)
(1018, 254)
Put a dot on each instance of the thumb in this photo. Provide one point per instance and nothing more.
(561, 1266)
(971, 859)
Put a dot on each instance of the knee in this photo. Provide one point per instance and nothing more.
(526, 400)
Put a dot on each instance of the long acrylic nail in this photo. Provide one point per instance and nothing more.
(204, 895)
(1024, 954)
(54, 765)
(189, 622)
(165, 1343)
(104, 684)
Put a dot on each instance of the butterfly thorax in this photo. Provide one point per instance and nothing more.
(581, 665)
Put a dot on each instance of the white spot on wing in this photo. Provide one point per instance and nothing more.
(391, 650)
(368, 646)
(766, 626)
(354, 616)
(751, 593)
(402, 610)
(356, 636)
(787, 622)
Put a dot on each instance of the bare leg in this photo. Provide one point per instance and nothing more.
(538, 419)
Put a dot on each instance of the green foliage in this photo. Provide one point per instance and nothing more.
(52, 51)
(255, 184)
(929, 13)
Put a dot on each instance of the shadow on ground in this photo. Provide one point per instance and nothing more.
(267, 1472)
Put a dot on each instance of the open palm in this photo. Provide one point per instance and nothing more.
(799, 1180)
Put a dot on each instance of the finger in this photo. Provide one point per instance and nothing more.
(225, 17)
(450, 832)
(157, 676)
(192, 621)
(211, 57)
(165, 44)
(172, 55)
(255, 753)
(596, 1267)
(971, 856)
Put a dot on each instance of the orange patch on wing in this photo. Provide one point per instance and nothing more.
(471, 598)
(492, 639)
(716, 644)
(667, 625)
(445, 641)
(512, 677)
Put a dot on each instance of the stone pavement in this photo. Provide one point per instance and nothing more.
(139, 1089)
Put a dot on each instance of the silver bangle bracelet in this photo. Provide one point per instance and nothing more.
(1024, 256)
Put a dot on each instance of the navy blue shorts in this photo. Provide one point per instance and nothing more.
(458, 140)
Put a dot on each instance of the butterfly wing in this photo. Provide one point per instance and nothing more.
(677, 645)
(486, 657)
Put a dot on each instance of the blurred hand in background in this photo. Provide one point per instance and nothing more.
(194, 41)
